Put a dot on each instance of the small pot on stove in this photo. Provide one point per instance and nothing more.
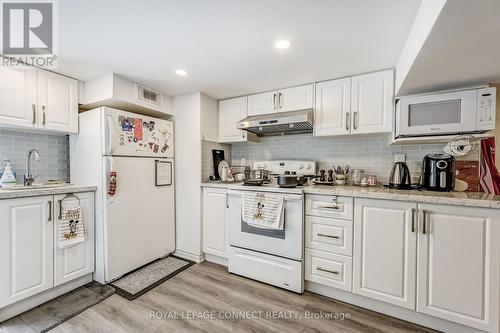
(291, 179)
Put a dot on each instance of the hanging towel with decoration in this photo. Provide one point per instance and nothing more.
(71, 228)
(489, 177)
(265, 211)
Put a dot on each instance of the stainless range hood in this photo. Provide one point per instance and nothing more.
(281, 123)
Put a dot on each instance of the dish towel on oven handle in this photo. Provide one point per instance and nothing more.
(263, 211)
(72, 230)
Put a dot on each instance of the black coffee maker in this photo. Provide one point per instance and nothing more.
(438, 172)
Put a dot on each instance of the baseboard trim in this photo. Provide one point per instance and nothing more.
(14, 309)
(197, 258)
(389, 309)
(216, 259)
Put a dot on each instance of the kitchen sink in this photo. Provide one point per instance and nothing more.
(34, 187)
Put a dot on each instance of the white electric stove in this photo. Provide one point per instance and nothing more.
(272, 256)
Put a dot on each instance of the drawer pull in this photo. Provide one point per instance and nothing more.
(327, 270)
(329, 236)
(328, 207)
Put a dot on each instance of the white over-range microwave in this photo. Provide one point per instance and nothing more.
(446, 113)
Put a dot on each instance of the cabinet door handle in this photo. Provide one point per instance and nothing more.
(33, 107)
(329, 236)
(424, 222)
(412, 220)
(328, 207)
(274, 101)
(355, 120)
(279, 100)
(327, 270)
(227, 200)
(50, 211)
(43, 115)
(347, 121)
(60, 209)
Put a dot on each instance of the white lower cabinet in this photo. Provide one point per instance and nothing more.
(328, 241)
(385, 251)
(32, 261)
(458, 265)
(26, 248)
(78, 260)
(455, 275)
(333, 235)
(215, 231)
(329, 269)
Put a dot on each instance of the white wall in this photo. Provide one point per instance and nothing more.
(187, 120)
(209, 118)
(195, 115)
(427, 15)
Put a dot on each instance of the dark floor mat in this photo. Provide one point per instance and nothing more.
(55, 312)
(149, 276)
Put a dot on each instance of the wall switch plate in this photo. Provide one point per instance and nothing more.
(399, 157)
(243, 161)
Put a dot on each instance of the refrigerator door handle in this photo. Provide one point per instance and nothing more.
(109, 136)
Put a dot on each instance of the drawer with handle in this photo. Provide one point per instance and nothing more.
(328, 269)
(329, 206)
(332, 235)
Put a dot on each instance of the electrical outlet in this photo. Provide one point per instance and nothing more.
(399, 157)
(243, 161)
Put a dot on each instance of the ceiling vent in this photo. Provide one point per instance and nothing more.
(148, 95)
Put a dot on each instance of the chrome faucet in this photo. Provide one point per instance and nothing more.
(28, 177)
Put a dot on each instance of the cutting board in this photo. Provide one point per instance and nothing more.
(468, 171)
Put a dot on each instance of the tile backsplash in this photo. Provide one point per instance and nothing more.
(371, 153)
(53, 149)
(207, 167)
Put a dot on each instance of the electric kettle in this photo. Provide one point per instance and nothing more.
(400, 177)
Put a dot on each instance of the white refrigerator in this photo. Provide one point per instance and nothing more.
(130, 157)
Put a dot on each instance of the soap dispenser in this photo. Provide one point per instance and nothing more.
(8, 178)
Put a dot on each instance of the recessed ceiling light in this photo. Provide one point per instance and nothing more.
(283, 44)
(181, 72)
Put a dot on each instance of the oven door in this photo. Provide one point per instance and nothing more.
(439, 114)
(287, 243)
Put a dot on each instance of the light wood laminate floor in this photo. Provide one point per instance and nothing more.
(209, 290)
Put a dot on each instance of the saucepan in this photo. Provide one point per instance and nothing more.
(288, 180)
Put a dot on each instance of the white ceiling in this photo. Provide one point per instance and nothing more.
(227, 46)
(462, 49)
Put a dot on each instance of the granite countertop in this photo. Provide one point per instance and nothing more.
(33, 192)
(470, 199)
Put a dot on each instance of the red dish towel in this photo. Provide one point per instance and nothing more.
(112, 183)
(489, 178)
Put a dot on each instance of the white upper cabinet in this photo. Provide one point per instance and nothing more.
(262, 103)
(333, 104)
(289, 99)
(58, 102)
(230, 112)
(295, 98)
(372, 102)
(385, 246)
(359, 105)
(18, 100)
(458, 274)
(34, 98)
(26, 248)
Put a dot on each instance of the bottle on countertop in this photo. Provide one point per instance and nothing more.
(8, 178)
